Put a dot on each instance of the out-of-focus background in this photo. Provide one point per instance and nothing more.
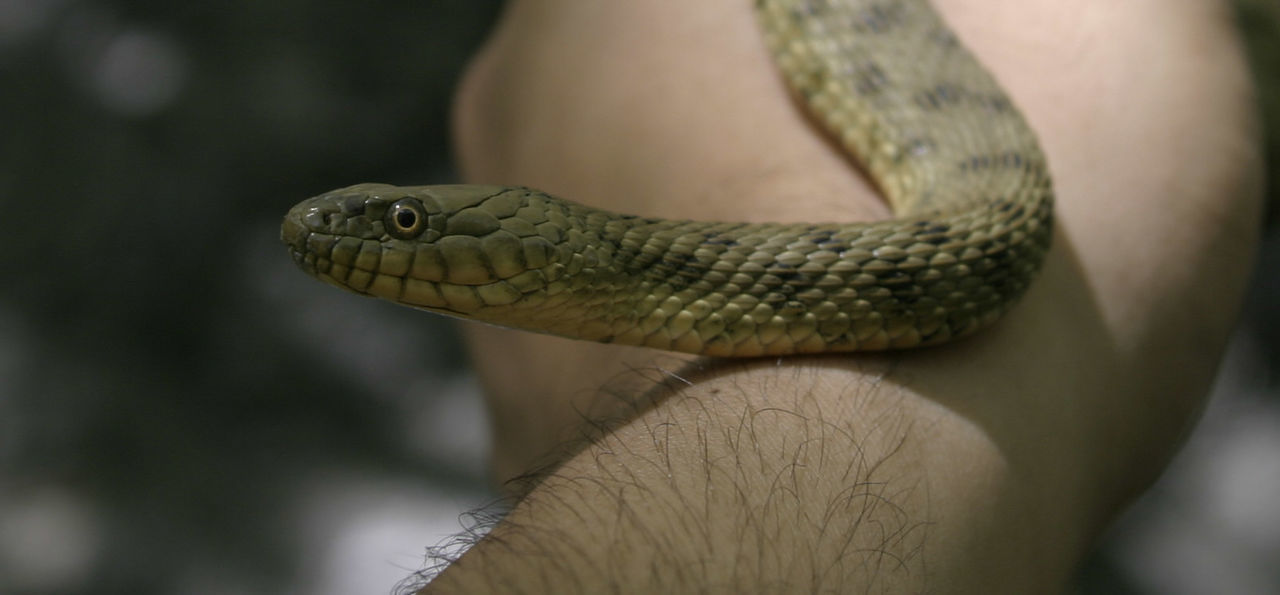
(183, 412)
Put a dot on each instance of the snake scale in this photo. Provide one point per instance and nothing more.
(888, 79)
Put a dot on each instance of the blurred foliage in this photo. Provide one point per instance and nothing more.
(153, 366)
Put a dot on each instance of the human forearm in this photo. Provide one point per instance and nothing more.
(823, 477)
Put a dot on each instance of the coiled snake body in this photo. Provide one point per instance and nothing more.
(954, 157)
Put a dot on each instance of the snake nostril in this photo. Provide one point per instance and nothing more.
(290, 230)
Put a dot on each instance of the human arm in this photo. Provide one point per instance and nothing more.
(989, 463)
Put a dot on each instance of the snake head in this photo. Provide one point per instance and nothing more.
(452, 249)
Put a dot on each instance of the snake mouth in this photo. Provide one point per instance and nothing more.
(368, 270)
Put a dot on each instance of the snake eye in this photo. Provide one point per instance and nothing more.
(406, 219)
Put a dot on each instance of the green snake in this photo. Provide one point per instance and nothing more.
(961, 168)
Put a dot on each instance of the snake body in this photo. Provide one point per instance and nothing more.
(956, 160)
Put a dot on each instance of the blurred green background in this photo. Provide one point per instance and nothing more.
(181, 411)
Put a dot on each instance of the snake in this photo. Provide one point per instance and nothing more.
(955, 159)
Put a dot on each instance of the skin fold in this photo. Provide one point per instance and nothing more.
(986, 465)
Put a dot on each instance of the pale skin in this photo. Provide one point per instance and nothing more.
(988, 465)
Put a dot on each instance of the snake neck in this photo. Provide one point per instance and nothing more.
(753, 289)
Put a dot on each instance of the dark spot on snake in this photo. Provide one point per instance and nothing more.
(878, 18)
(949, 92)
(773, 298)
(802, 12)
(676, 260)
(919, 146)
(942, 95)
(792, 308)
(820, 237)
(894, 278)
(692, 272)
(868, 79)
(792, 278)
(833, 244)
(927, 100)
(726, 241)
(1005, 160)
(908, 295)
(789, 277)
(943, 37)
(995, 103)
(976, 163)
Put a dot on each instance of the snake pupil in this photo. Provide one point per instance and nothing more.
(406, 218)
